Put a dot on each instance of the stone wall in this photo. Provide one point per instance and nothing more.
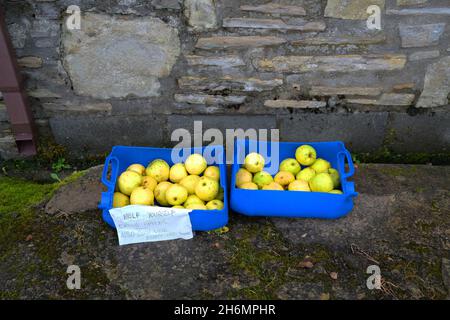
(139, 69)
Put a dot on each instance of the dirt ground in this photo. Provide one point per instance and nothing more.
(400, 223)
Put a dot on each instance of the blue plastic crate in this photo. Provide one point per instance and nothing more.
(295, 203)
(122, 156)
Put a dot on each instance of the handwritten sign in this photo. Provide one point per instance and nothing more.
(138, 223)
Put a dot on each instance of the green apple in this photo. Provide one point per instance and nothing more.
(176, 194)
(190, 182)
(214, 205)
(321, 182)
(254, 162)
(273, 186)
(305, 155)
(306, 174)
(193, 199)
(128, 181)
(262, 178)
(177, 172)
(149, 182)
(138, 168)
(299, 185)
(291, 165)
(336, 191)
(158, 169)
(213, 172)
(195, 164)
(335, 176)
(196, 206)
(120, 200)
(321, 165)
(284, 178)
(207, 189)
(142, 196)
(248, 186)
(243, 176)
(160, 192)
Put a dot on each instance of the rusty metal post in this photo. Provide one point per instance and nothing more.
(11, 85)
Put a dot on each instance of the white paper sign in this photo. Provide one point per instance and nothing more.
(137, 224)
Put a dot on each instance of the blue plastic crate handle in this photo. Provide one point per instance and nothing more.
(114, 162)
(349, 186)
(342, 155)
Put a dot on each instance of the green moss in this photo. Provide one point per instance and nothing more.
(399, 171)
(271, 264)
(18, 198)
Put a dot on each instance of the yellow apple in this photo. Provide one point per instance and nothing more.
(190, 182)
(177, 172)
(273, 186)
(142, 196)
(262, 178)
(196, 206)
(321, 165)
(291, 165)
(195, 164)
(305, 155)
(334, 174)
(243, 176)
(299, 185)
(120, 200)
(207, 189)
(213, 172)
(160, 192)
(214, 205)
(138, 168)
(284, 178)
(176, 194)
(193, 199)
(249, 186)
(254, 162)
(322, 182)
(158, 169)
(306, 174)
(149, 182)
(336, 191)
(178, 207)
(129, 180)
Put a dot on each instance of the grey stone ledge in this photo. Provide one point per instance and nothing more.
(275, 8)
(276, 24)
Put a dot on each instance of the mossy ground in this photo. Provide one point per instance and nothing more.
(258, 260)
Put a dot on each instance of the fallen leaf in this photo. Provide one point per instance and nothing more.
(325, 296)
(334, 275)
(307, 264)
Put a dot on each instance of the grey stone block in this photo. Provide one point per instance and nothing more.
(428, 132)
(89, 134)
(139, 52)
(166, 4)
(361, 132)
(422, 35)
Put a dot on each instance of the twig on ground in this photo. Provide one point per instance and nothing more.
(357, 250)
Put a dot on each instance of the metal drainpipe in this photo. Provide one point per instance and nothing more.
(11, 85)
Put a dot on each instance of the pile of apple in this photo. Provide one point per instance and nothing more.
(192, 185)
(316, 176)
